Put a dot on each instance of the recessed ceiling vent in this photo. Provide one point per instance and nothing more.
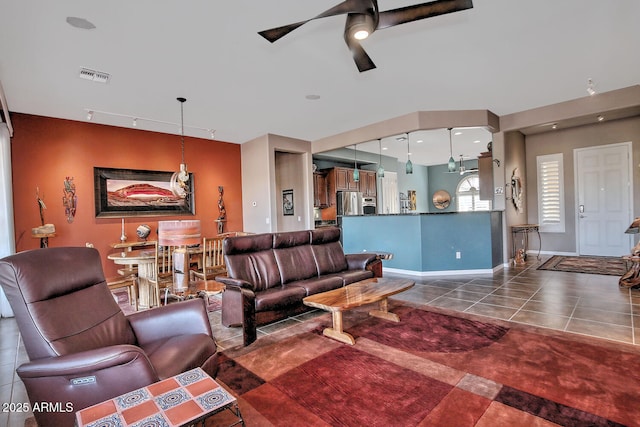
(94, 76)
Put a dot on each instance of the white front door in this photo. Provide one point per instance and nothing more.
(603, 189)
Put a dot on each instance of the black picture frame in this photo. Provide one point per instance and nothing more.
(155, 197)
(287, 202)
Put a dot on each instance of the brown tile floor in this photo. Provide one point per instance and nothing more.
(585, 304)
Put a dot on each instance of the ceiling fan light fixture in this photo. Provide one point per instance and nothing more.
(361, 27)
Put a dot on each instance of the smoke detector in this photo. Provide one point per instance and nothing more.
(94, 76)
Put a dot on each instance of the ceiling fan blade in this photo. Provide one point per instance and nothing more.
(362, 60)
(389, 18)
(343, 8)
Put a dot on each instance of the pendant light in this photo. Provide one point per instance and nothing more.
(179, 179)
(380, 167)
(356, 172)
(409, 166)
(452, 162)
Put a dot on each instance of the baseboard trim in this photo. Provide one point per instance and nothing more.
(442, 272)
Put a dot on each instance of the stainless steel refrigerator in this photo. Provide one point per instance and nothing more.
(349, 203)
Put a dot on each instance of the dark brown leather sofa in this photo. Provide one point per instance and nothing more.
(82, 348)
(269, 274)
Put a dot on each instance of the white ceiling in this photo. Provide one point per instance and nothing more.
(503, 55)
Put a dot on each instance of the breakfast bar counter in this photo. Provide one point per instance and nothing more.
(429, 243)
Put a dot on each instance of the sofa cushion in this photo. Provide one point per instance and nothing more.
(316, 285)
(169, 358)
(329, 258)
(296, 263)
(352, 276)
(280, 297)
(251, 258)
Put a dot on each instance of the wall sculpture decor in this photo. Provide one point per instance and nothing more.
(517, 191)
(69, 199)
(222, 212)
(129, 192)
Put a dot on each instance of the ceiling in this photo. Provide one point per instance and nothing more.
(504, 56)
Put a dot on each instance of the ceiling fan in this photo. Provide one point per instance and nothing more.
(462, 170)
(363, 18)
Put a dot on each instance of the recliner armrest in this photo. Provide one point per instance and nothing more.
(182, 318)
(359, 261)
(88, 361)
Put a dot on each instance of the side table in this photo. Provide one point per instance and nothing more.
(524, 229)
(182, 400)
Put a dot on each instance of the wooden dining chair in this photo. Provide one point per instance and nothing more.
(128, 277)
(164, 276)
(212, 260)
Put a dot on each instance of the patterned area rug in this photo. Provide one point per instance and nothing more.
(214, 302)
(432, 368)
(611, 266)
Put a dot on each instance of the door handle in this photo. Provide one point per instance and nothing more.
(583, 216)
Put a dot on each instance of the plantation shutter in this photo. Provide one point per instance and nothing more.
(550, 193)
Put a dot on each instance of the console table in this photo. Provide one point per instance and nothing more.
(182, 400)
(524, 229)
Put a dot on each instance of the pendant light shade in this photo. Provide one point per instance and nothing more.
(356, 172)
(409, 166)
(179, 179)
(380, 167)
(452, 163)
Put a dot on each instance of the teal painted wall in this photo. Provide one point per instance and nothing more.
(428, 242)
(439, 179)
(418, 181)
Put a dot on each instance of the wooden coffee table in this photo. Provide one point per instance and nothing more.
(355, 295)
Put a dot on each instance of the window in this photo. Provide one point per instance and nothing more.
(468, 195)
(550, 193)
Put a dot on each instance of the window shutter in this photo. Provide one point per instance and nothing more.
(550, 193)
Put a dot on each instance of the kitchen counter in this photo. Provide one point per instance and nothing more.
(429, 243)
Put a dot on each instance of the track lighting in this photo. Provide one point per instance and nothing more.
(135, 120)
(590, 88)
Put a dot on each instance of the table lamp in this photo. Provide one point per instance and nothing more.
(180, 234)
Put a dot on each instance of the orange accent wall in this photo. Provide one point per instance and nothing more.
(45, 151)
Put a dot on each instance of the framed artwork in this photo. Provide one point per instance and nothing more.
(412, 200)
(131, 192)
(287, 202)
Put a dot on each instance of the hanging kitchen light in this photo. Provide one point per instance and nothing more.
(409, 166)
(380, 167)
(179, 180)
(452, 162)
(356, 172)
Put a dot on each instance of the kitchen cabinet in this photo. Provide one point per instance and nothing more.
(320, 193)
(368, 184)
(344, 180)
(485, 175)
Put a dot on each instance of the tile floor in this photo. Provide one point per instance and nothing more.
(585, 304)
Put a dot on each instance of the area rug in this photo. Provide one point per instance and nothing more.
(433, 368)
(611, 266)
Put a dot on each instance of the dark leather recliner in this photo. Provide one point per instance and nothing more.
(82, 348)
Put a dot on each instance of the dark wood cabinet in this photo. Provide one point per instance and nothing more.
(344, 180)
(320, 199)
(368, 184)
(485, 175)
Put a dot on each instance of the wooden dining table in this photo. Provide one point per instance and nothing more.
(145, 260)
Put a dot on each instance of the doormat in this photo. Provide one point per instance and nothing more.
(610, 266)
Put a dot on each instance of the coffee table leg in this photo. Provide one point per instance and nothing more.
(336, 332)
(383, 312)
